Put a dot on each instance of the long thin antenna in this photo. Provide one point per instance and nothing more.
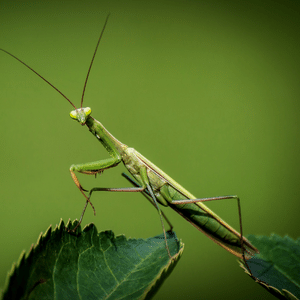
(39, 76)
(88, 73)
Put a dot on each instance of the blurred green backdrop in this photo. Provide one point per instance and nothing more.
(207, 90)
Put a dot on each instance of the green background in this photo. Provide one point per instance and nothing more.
(207, 90)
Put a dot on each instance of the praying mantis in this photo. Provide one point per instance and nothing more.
(151, 181)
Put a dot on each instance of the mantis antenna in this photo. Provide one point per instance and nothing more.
(87, 76)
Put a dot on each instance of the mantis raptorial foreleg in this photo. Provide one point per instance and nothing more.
(92, 168)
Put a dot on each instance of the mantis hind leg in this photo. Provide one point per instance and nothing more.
(242, 242)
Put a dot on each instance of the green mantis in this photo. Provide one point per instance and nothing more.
(152, 182)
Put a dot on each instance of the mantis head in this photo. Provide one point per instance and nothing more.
(81, 114)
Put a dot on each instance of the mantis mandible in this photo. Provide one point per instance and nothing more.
(157, 186)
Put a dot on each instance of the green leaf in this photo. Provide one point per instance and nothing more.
(91, 265)
(277, 266)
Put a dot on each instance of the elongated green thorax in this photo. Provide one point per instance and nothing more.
(114, 147)
(111, 144)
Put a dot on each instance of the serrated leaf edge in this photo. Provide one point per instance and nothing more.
(273, 290)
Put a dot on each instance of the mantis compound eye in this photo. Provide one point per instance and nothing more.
(81, 114)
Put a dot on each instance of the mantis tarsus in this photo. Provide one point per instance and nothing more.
(156, 185)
